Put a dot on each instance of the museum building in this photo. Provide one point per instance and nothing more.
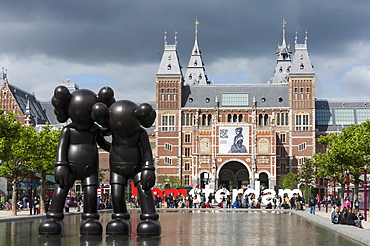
(233, 134)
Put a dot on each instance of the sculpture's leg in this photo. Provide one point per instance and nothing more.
(90, 224)
(120, 223)
(149, 226)
(54, 218)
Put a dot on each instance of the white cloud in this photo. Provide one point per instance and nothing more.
(41, 74)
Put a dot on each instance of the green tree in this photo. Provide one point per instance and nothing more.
(288, 181)
(43, 157)
(347, 154)
(16, 146)
(307, 175)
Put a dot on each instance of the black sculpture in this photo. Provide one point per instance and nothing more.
(77, 157)
(130, 157)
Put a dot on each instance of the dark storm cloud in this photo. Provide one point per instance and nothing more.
(130, 33)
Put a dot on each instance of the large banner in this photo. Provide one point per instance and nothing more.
(234, 140)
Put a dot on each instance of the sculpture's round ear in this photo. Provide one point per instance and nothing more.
(146, 114)
(106, 96)
(60, 101)
(61, 97)
(100, 114)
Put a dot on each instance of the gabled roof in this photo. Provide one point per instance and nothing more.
(38, 115)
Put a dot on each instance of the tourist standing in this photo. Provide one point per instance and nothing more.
(66, 204)
(336, 201)
(36, 204)
(312, 203)
(46, 203)
(356, 204)
(347, 202)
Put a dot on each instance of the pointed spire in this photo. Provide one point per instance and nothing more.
(165, 37)
(296, 37)
(195, 73)
(284, 22)
(196, 28)
(175, 38)
(28, 112)
(306, 37)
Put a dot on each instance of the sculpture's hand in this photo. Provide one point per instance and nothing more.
(147, 179)
(61, 174)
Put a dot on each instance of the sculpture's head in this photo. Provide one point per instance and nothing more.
(124, 116)
(77, 105)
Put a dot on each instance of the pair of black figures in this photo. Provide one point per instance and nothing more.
(77, 159)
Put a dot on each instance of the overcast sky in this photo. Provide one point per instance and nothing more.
(120, 43)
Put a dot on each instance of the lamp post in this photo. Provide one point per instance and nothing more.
(335, 185)
(326, 195)
(347, 180)
(319, 184)
(365, 193)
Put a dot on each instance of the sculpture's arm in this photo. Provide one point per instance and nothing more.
(61, 171)
(104, 144)
(147, 174)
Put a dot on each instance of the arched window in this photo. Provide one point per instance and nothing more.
(265, 120)
(240, 118)
(235, 118)
(278, 119)
(260, 120)
(209, 119)
(204, 117)
(286, 119)
(229, 118)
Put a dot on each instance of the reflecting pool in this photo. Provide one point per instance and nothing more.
(188, 227)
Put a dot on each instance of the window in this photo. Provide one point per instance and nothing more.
(187, 180)
(206, 119)
(324, 116)
(263, 119)
(187, 152)
(295, 93)
(363, 114)
(302, 146)
(187, 166)
(301, 122)
(282, 166)
(282, 152)
(187, 119)
(344, 116)
(282, 137)
(168, 160)
(187, 138)
(168, 147)
(168, 123)
(236, 99)
(234, 118)
(301, 162)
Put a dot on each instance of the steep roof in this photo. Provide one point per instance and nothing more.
(170, 64)
(38, 115)
(236, 96)
(195, 72)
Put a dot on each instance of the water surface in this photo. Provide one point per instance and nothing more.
(188, 227)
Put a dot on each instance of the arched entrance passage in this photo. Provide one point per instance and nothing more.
(233, 174)
(264, 180)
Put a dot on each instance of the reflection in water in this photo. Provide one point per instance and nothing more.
(213, 227)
